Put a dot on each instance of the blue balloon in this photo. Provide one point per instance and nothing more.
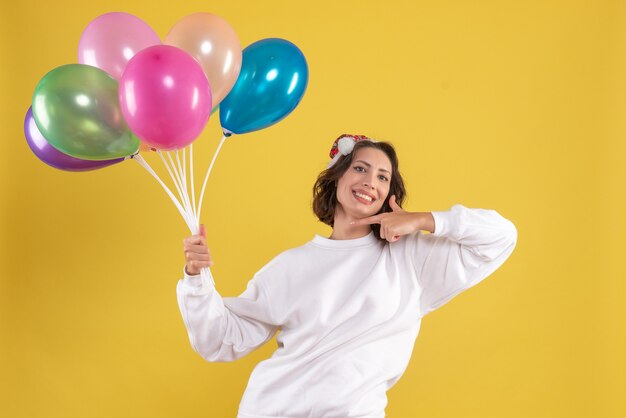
(273, 77)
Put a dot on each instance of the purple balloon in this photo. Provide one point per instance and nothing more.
(52, 156)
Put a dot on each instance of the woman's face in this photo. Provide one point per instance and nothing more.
(369, 175)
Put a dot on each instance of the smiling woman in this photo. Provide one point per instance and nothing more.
(369, 168)
(349, 307)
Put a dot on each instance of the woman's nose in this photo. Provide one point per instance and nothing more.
(369, 180)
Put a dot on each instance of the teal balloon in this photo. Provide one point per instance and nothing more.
(273, 77)
(76, 109)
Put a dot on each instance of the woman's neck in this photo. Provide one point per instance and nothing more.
(343, 230)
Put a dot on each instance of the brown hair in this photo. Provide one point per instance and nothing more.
(325, 188)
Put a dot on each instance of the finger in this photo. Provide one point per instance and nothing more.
(391, 235)
(195, 240)
(394, 206)
(369, 220)
(200, 263)
(382, 232)
(203, 231)
(198, 249)
(197, 265)
(199, 258)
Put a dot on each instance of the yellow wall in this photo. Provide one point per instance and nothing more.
(516, 106)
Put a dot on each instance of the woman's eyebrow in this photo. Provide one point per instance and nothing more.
(369, 165)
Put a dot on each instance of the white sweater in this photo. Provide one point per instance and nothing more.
(349, 312)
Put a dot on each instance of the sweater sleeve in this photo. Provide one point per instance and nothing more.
(224, 329)
(466, 247)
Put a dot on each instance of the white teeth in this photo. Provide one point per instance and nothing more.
(369, 199)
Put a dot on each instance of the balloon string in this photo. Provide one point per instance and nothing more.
(181, 209)
(149, 169)
(204, 272)
(174, 179)
(193, 186)
(184, 172)
(183, 181)
(181, 173)
(171, 174)
(209, 172)
(179, 177)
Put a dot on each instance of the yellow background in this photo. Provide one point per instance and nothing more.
(516, 106)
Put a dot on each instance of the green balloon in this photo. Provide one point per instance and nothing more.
(76, 109)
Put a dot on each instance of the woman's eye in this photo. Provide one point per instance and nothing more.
(362, 170)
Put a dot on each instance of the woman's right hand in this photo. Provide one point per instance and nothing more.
(197, 253)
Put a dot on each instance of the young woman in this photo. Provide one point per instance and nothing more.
(349, 306)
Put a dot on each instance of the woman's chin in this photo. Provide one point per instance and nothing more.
(364, 212)
(359, 210)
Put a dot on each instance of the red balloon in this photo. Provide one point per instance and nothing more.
(165, 97)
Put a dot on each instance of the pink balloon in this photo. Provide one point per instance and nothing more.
(112, 39)
(165, 97)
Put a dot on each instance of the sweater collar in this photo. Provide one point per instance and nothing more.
(364, 241)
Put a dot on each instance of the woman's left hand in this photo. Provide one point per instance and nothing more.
(395, 224)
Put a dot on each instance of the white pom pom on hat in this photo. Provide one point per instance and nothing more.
(344, 146)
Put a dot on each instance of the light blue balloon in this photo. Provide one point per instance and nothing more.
(273, 77)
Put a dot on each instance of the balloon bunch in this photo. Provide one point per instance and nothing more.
(130, 92)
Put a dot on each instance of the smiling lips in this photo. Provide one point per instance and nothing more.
(363, 197)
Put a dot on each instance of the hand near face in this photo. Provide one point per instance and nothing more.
(394, 224)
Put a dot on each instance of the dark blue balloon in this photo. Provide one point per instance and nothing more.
(273, 77)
